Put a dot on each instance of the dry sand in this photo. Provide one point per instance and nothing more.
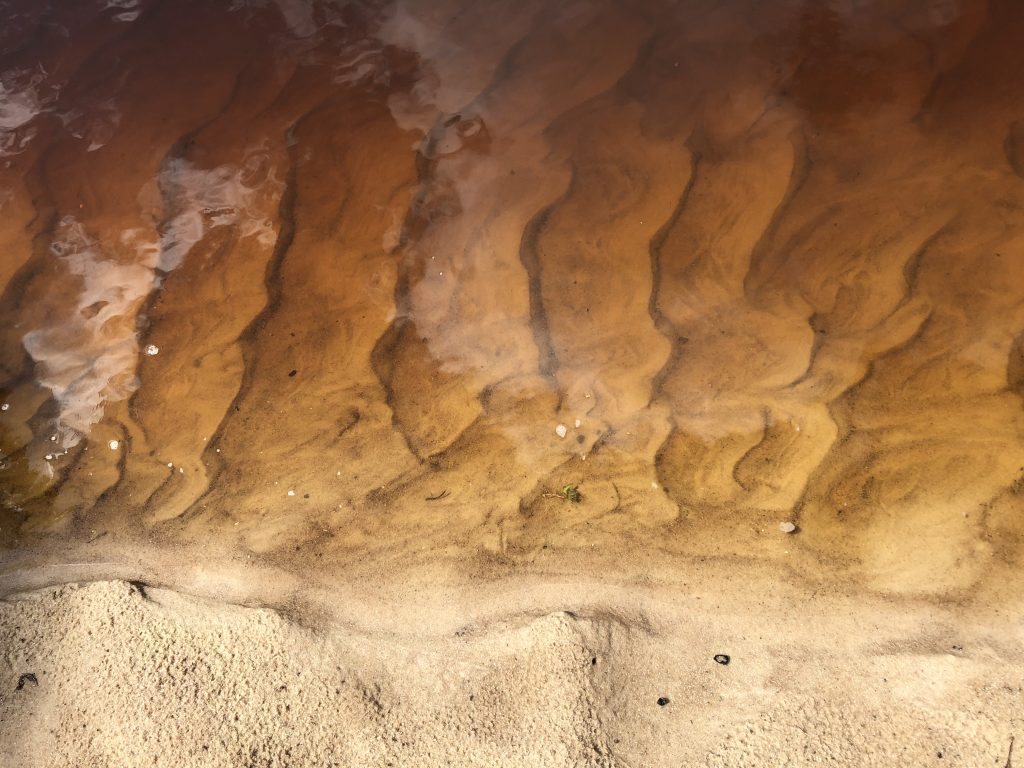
(541, 672)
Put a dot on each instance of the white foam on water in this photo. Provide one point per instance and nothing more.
(363, 63)
(14, 142)
(19, 104)
(17, 107)
(86, 357)
(98, 125)
(25, 93)
(298, 15)
(304, 20)
(221, 196)
(130, 9)
(87, 354)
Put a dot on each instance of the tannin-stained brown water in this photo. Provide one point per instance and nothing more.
(341, 285)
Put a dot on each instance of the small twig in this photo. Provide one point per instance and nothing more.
(95, 536)
(568, 493)
(437, 496)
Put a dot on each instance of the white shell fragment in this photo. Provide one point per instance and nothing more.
(114, 445)
(578, 424)
(787, 527)
(152, 349)
(291, 493)
(561, 430)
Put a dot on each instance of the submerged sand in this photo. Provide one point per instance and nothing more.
(540, 673)
(407, 268)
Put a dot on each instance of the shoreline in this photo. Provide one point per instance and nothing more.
(560, 672)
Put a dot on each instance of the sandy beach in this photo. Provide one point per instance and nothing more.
(534, 671)
(511, 383)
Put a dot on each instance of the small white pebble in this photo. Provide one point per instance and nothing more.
(48, 457)
(654, 485)
(787, 527)
(291, 493)
(577, 423)
(5, 406)
(53, 438)
(152, 350)
(170, 464)
(561, 430)
(181, 470)
(114, 445)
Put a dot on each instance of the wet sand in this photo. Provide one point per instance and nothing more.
(316, 308)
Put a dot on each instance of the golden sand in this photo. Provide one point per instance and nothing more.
(342, 297)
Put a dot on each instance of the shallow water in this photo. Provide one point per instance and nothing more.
(759, 262)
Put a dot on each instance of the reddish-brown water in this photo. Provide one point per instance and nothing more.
(758, 262)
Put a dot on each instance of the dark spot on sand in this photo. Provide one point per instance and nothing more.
(27, 677)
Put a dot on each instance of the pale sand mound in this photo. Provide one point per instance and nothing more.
(131, 676)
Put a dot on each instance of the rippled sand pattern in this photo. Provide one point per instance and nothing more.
(761, 261)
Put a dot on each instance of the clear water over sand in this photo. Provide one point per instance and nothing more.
(325, 284)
